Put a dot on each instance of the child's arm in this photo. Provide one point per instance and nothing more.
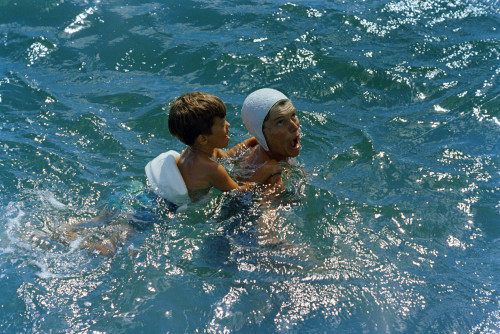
(267, 173)
(233, 151)
(221, 180)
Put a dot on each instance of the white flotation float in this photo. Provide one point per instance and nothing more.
(166, 180)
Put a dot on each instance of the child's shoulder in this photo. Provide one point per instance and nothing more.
(197, 164)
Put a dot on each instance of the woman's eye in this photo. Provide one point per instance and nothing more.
(279, 123)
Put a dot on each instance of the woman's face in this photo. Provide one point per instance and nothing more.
(281, 131)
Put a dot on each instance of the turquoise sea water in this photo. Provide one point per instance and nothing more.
(395, 225)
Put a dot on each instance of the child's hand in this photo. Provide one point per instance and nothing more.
(270, 168)
(251, 142)
(236, 150)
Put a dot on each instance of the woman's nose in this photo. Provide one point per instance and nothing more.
(294, 125)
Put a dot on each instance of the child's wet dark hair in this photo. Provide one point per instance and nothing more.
(192, 114)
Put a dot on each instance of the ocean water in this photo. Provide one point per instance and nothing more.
(392, 209)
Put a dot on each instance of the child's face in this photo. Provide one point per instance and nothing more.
(219, 137)
(282, 132)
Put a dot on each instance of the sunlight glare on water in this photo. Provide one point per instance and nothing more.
(390, 218)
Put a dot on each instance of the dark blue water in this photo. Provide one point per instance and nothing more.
(394, 228)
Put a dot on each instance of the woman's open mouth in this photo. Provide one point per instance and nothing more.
(295, 143)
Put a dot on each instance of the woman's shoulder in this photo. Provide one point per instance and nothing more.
(255, 156)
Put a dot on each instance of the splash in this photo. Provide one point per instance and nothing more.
(81, 21)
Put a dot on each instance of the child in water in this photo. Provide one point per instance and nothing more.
(199, 120)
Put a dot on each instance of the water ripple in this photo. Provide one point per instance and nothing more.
(391, 211)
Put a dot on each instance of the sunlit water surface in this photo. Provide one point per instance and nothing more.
(392, 211)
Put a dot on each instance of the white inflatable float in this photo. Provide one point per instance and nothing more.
(166, 180)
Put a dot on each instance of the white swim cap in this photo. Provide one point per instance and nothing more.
(255, 109)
